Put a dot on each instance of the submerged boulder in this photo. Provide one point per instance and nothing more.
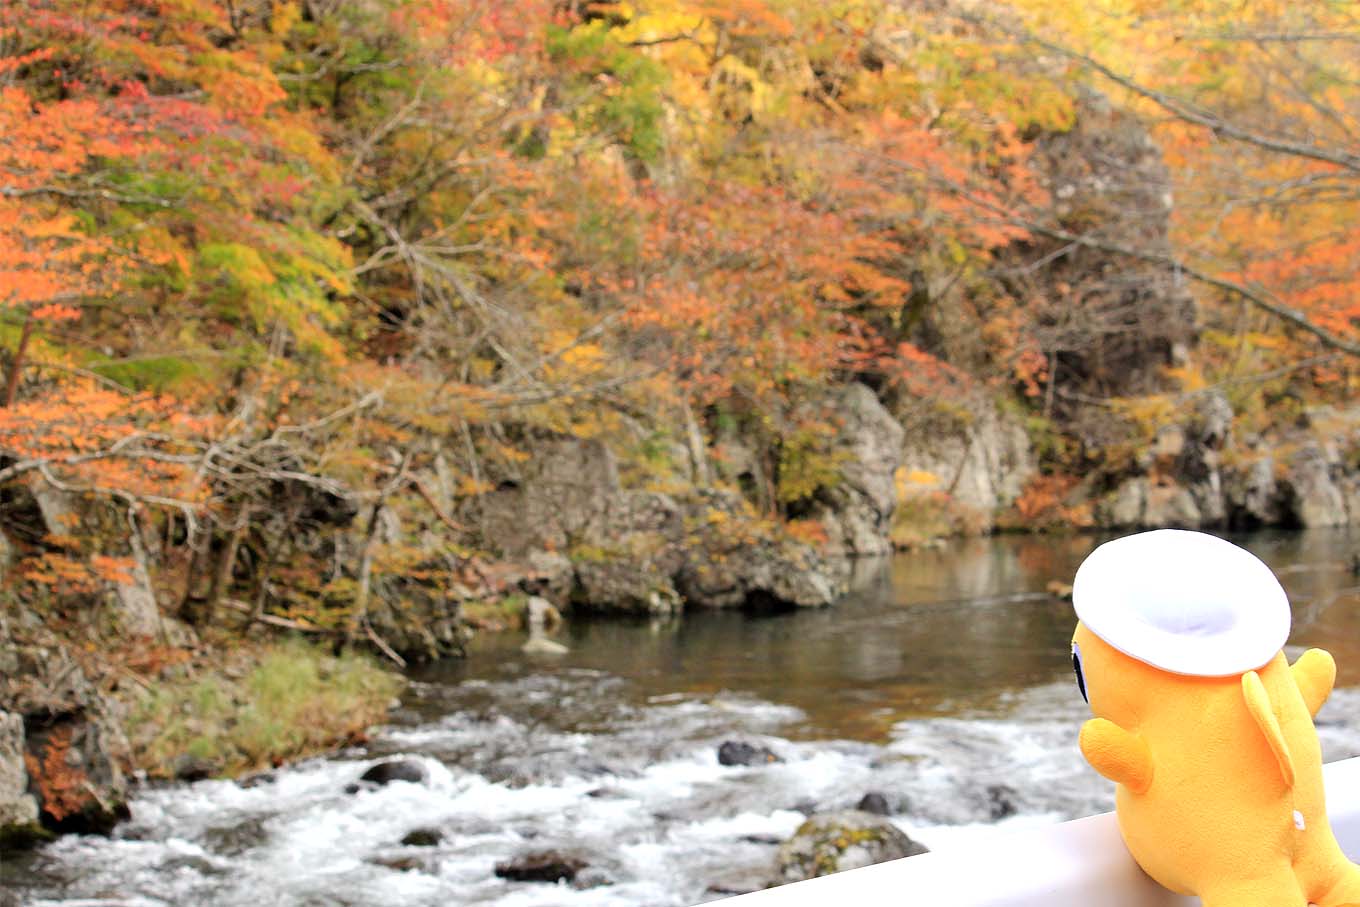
(874, 803)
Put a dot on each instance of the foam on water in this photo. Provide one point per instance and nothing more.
(565, 762)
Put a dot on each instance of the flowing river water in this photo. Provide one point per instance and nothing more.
(943, 683)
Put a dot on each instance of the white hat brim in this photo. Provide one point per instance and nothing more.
(1186, 602)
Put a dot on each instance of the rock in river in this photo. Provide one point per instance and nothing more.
(834, 842)
(737, 752)
(423, 837)
(397, 770)
(875, 803)
(541, 866)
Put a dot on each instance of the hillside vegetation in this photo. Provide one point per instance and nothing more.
(298, 298)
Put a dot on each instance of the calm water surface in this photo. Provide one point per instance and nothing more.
(957, 631)
(943, 682)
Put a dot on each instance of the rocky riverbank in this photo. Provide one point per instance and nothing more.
(77, 724)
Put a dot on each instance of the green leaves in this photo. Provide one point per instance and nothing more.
(615, 90)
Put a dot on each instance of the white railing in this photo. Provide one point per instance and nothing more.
(1078, 863)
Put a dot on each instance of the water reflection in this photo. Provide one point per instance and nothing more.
(954, 631)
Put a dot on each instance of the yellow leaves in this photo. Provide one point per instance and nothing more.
(159, 248)
(574, 356)
(910, 481)
(739, 91)
(285, 16)
(1146, 414)
(1189, 377)
(469, 487)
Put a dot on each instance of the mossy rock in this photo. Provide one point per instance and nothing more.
(835, 842)
(22, 836)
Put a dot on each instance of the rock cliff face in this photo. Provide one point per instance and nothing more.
(644, 551)
(1198, 474)
(62, 752)
(857, 512)
(977, 466)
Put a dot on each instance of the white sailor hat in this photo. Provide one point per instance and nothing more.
(1185, 602)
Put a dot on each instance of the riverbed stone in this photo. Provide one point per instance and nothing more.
(734, 883)
(193, 768)
(541, 866)
(739, 752)
(874, 803)
(835, 842)
(397, 770)
(422, 837)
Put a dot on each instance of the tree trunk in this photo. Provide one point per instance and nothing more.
(12, 385)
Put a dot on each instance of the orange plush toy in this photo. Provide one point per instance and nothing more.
(1203, 725)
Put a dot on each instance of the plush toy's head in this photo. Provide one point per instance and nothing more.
(1117, 687)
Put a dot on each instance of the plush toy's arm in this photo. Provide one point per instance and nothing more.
(1259, 707)
(1315, 673)
(1119, 755)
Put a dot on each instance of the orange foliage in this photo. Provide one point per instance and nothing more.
(62, 789)
(1043, 504)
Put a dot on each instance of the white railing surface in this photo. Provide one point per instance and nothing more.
(1079, 863)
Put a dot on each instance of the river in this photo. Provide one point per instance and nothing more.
(943, 682)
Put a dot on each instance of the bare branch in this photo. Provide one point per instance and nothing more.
(1257, 295)
(1181, 108)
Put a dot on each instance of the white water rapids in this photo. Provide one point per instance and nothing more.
(946, 689)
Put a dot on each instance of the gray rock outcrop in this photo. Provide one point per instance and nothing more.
(1197, 475)
(857, 511)
(61, 749)
(644, 551)
(542, 866)
(18, 808)
(980, 464)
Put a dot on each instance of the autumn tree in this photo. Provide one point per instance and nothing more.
(1255, 114)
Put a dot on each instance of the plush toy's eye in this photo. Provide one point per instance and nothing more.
(1076, 666)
